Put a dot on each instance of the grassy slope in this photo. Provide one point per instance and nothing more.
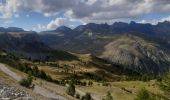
(85, 64)
(98, 91)
(7, 80)
(117, 92)
(57, 89)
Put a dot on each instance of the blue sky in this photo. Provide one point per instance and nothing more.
(39, 15)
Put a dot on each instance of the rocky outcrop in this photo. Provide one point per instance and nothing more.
(8, 92)
(137, 53)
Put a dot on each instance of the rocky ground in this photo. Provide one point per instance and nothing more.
(8, 92)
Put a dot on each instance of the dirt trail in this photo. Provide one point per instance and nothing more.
(9, 72)
(38, 89)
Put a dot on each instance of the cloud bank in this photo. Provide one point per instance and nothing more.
(87, 10)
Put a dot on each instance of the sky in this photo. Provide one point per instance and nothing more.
(40, 15)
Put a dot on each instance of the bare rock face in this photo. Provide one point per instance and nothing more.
(136, 53)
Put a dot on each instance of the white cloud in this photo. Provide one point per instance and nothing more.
(46, 7)
(59, 22)
(39, 27)
(87, 10)
(155, 21)
(90, 2)
(50, 14)
(8, 9)
(165, 19)
(64, 21)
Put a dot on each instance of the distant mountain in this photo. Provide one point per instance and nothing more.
(60, 30)
(11, 29)
(14, 29)
(20, 41)
(144, 48)
(64, 38)
(91, 27)
(149, 54)
(61, 35)
(63, 29)
(121, 27)
(137, 53)
(29, 45)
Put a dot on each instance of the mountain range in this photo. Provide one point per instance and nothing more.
(145, 48)
(142, 47)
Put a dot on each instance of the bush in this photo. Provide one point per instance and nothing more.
(71, 89)
(143, 94)
(87, 96)
(26, 82)
(77, 96)
(108, 96)
(165, 84)
(42, 75)
(90, 83)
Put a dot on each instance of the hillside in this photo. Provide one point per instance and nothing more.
(64, 38)
(120, 90)
(137, 53)
(83, 67)
(111, 58)
(146, 48)
(84, 49)
(119, 43)
(29, 45)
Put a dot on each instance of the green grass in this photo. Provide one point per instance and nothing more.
(118, 93)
